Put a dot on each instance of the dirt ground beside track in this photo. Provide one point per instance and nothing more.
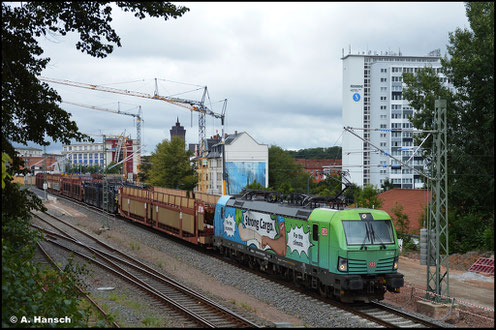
(466, 287)
(470, 290)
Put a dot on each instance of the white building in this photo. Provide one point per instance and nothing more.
(90, 154)
(29, 152)
(372, 99)
(246, 161)
(87, 154)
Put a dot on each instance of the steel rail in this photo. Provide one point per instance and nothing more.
(115, 324)
(135, 281)
(346, 307)
(145, 269)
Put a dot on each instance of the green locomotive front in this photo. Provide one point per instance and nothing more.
(351, 254)
(359, 247)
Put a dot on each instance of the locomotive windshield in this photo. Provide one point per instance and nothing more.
(360, 232)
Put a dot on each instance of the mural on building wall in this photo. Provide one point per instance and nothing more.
(243, 173)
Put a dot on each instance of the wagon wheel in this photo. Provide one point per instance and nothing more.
(296, 282)
(252, 263)
(323, 290)
(286, 274)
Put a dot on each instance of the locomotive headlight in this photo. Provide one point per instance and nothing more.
(395, 263)
(342, 264)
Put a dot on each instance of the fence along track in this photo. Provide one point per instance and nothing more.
(211, 315)
(53, 263)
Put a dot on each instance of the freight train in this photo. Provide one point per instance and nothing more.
(347, 253)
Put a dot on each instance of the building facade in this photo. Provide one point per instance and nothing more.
(246, 161)
(26, 152)
(319, 168)
(35, 160)
(178, 131)
(91, 154)
(374, 106)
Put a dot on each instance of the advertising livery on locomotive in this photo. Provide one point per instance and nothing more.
(350, 253)
(347, 253)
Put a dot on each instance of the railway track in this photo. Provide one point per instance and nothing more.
(43, 258)
(378, 314)
(201, 311)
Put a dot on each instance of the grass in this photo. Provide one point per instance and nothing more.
(248, 307)
(154, 322)
(244, 305)
(134, 246)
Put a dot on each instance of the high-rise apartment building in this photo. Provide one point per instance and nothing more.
(372, 99)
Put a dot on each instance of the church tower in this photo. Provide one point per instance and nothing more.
(178, 130)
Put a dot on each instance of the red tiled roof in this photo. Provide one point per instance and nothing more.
(413, 202)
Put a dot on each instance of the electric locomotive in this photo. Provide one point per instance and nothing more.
(351, 254)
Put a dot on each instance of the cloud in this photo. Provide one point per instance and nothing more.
(278, 64)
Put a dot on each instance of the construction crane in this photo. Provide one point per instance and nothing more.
(138, 117)
(191, 105)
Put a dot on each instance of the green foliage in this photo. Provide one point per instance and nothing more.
(329, 187)
(387, 185)
(144, 169)
(5, 175)
(488, 236)
(400, 219)
(256, 185)
(317, 153)
(470, 117)
(75, 168)
(30, 113)
(402, 224)
(28, 290)
(114, 170)
(30, 110)
(466, 233)
(367, 197)
(171, 166)
(285, 174)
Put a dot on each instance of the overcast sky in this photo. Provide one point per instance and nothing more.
(278, 65)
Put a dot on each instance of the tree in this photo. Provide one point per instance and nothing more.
(470, 68)
(171, 166)
(387, 185)
(116, 169)
(255, 185)
(317, 153)
(30, 113)
(30, 110)
(400, 219)
(329, 187)
(144, 169)
(285, 174)
(367, 197)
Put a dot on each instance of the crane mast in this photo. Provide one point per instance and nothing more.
(138, 117)
(191, 105)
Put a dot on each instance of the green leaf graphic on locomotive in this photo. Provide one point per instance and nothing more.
(299, 240)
